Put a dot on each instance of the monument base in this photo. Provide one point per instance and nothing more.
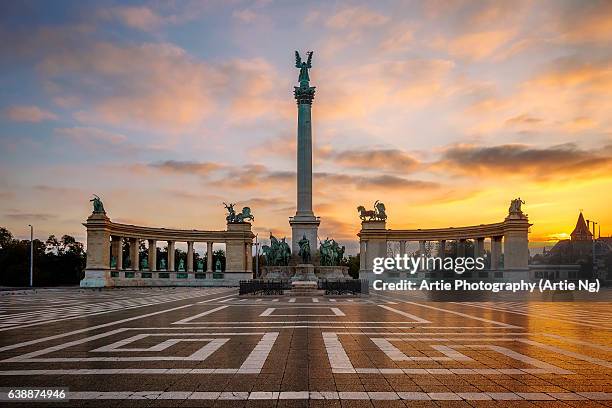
(304, 272)
(304, 288)
(295, 272)
(304, 226)
(97, 278)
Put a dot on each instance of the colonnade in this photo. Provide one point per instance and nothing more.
(441, 250)
(152, 261)
(105, 255)
(512, 233)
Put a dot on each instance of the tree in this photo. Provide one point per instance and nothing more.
(353, 264)
(56, 261)
(5, 237)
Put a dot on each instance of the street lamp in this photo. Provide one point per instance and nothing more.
(31, 255)
(256, 257)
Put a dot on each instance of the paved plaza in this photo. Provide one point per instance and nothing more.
(210, 347)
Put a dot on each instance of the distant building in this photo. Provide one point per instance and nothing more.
(578, 250)
(581, 232)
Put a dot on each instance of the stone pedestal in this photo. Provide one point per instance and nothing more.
(97, 271)
(304, 272)
(304, 226)
(516, 242)
(371, 246)
(237, 253)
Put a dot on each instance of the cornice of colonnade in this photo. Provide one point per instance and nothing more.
(235, 232)
(443, 234)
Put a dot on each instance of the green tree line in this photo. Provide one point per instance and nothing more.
(57, 261)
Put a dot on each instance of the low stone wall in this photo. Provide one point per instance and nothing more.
(127, 278)
(322, 272)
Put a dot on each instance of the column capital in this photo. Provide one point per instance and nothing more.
(304, 95)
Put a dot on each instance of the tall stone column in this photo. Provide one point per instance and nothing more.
(363, 247)
(442, 250)
(152, 255)
(478, 247)
(171, 254)
(134, 254)
(422, 252)
(402, 248)
(461, 248)
(209, 257)
(304, 223)
(249, 256)
(189, 256)
(496, 245)
(117, 251)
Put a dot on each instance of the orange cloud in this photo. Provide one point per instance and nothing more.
(476, 46)
(556, 163)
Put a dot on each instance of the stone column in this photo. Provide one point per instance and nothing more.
(117, 251)
(209, 257)
(479, 247)
(402, 248)
(304, 223)
(363, 247)
(442, 250)
(171, 254)
(496, 244)
(152, 255)
(134, 254)
(422, 252)
(249, 256)
(461, 248)
(190, 256)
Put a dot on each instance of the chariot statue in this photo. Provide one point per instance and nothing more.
(515, 206)
(377, 214)
(240, 217)
(304, 249)
(98, 207)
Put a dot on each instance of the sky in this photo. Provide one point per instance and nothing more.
(443, 110)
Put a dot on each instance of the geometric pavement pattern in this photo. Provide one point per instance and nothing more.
(210, 347)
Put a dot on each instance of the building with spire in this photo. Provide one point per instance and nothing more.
(581, 231)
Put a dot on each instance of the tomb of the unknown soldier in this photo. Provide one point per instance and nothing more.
(414, 214)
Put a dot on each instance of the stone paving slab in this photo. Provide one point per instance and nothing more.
(210, 347)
